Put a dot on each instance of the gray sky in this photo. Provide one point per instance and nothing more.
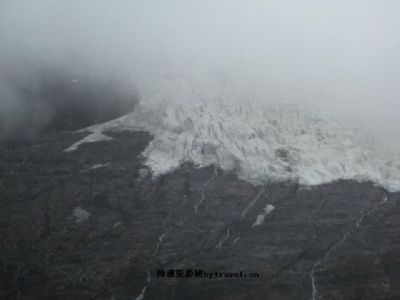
(343, 54)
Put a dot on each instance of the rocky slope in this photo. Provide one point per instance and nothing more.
(93, 224)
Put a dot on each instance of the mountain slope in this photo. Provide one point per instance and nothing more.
(93, 223)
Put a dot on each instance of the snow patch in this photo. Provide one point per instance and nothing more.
(96, 132)
(95, 136)
(80, 215)
(261, 217)
(95, 167)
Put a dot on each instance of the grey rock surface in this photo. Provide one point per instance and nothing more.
(336, 241)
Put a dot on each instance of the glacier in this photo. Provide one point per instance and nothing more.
(237, 129)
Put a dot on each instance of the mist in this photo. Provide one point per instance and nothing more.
(338, 56)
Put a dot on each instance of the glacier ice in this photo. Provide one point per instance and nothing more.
(238, 130)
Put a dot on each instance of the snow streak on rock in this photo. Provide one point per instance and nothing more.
(203, 190)
(207, 123)
(160, 240)
(236, 240)
(251, 204)
(17, 166)
(224, 239)
(95, 167)
(143, 292)
(185, 200)
(317, 266)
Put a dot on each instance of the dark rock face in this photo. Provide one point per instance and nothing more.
(80, 100)
(93, 224)
(53, 99)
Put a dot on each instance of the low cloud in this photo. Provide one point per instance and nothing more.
(340, 56)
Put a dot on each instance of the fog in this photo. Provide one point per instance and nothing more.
(340, 56)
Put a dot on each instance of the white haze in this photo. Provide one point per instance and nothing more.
(341, 53)
(338, 57)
